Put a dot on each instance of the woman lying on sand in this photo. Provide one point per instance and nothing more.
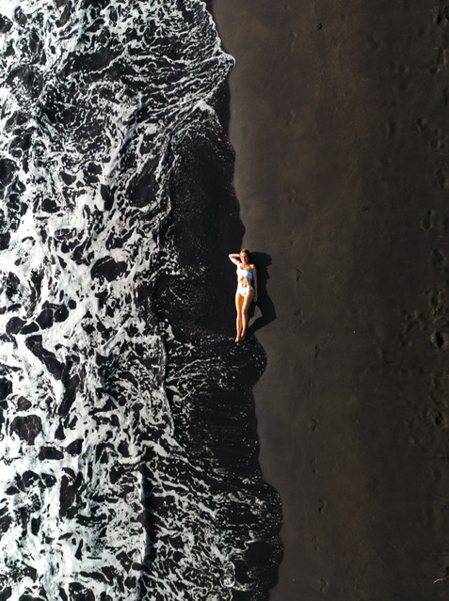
(246, 290)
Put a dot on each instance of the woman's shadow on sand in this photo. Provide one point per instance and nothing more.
(264, 303)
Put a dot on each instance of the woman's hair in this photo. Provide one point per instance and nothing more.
(245, 250)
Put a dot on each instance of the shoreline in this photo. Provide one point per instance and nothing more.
(336, 122)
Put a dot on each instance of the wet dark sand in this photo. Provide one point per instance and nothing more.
(339, 119)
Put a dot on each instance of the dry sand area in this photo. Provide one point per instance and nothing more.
(340, 123)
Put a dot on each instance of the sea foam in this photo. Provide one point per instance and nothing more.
(100, 497)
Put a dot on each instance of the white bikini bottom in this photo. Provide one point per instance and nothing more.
(243, 290)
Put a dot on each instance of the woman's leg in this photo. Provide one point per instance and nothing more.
(247, 300)
(238, 307)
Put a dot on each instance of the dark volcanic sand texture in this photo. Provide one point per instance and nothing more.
(339, 116)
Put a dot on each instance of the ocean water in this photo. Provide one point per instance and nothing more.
(128, 438)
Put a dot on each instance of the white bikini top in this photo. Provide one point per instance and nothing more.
(243, 273)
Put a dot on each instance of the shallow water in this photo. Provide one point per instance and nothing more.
(128, 438)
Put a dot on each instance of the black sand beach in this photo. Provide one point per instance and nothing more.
(339, 117)
(143, 453)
